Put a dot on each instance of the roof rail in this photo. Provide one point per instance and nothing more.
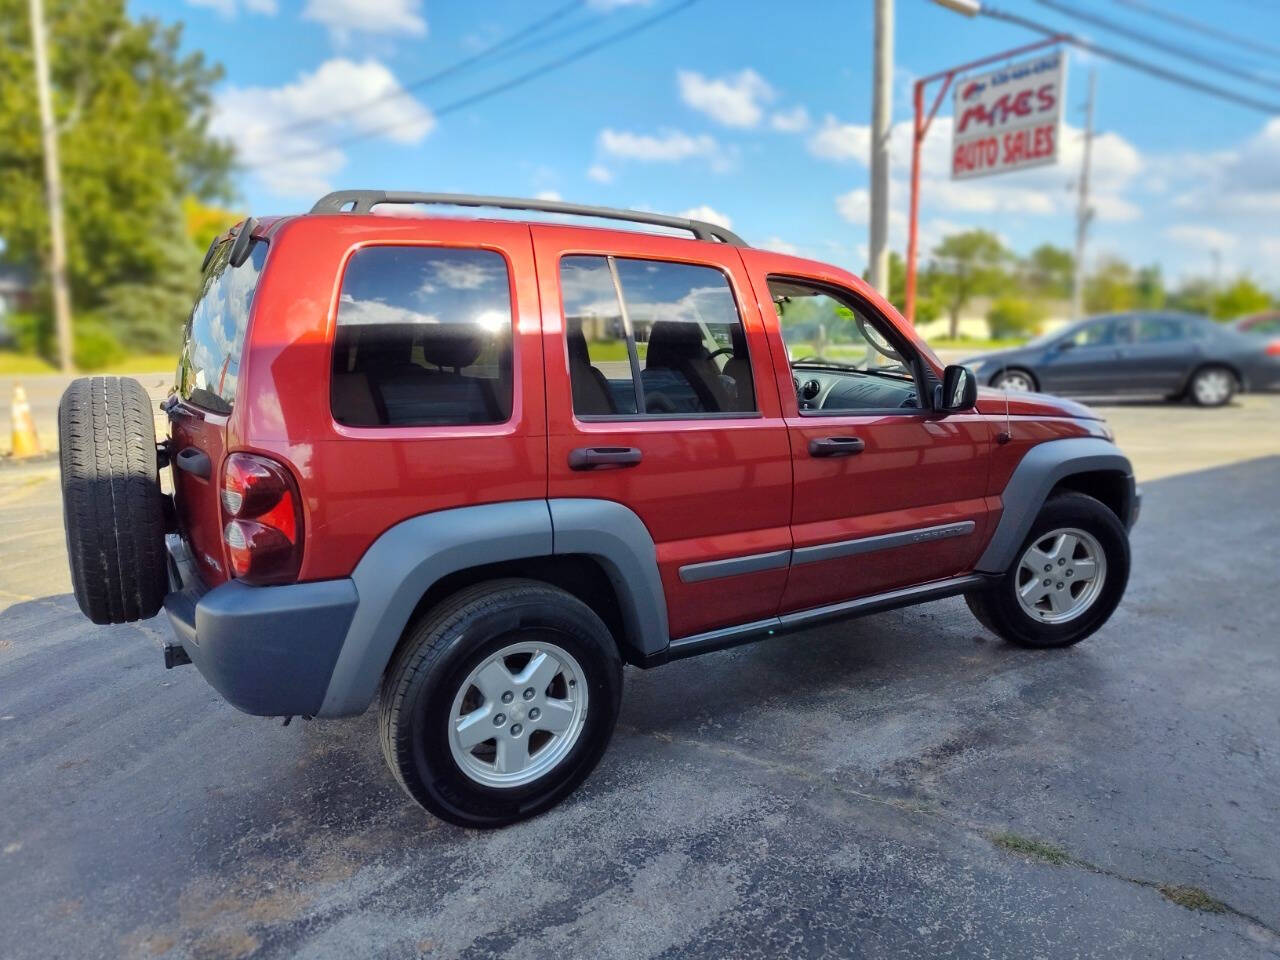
(363, 201)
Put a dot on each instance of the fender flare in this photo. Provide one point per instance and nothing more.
(406, 560)
(1043, 467)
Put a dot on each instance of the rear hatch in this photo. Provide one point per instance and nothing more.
(203, 398)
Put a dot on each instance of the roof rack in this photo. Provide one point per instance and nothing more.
(363, 201)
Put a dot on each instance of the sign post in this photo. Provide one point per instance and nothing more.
(1005, 120)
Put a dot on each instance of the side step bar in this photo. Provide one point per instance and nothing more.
(802, 619)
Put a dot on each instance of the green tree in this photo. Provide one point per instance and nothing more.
(1049, 271)
(965, 265)
(1014, 317)
(1242, 296)
(1110, 287)
(133, 116)
(1148, 288)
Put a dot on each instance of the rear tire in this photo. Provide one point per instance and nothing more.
(112, 506)
(1061, 604)
(436, 680)
(1212, 386)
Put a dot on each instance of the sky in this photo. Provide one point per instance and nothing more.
(752, 114)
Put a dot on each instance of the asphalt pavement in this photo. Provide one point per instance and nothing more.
(899, 786)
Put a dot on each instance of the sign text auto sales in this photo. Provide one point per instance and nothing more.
(1007, 119)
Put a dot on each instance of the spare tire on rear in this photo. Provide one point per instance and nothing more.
(112, 505)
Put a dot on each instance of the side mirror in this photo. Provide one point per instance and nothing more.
(958, 390)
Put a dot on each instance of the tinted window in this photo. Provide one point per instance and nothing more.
(209, 365)
(423, 338)
(1161, 329)
(674, 345)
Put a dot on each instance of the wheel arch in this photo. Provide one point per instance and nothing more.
(1083, 464)
(596, 550)
(1227, 365)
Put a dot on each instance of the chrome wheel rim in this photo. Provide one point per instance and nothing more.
(1060, 575)
(1015, 382)
(518, 714)
(1212, 387)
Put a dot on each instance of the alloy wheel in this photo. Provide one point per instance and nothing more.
(1060, 575)
(518, 714)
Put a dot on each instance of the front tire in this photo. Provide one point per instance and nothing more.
(500, 703)
(1015, 380)
(1066, 579)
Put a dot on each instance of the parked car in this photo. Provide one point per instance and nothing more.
(1169, 355)
(468, 468)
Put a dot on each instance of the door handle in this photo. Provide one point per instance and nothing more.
(835, 446)
(588, 458)
(194, 461)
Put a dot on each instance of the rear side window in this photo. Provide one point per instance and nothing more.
(652, 338)
(1161, 329)
(423, 338)
(209, 365)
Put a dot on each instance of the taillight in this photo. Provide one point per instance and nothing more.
(1273, 348)
(261, 519)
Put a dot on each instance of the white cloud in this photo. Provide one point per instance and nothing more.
(778, 245)
(231, 8)
(600, 173)
(1201, 237)
(841, 142)
(733, 101)
(795, 120)
(347, 17)
(294, 161)
(709, 214)
(547, 195)
(670, 146)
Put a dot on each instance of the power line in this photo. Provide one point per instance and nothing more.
(1143, 66)
(527, 31)
(1199, 26)
(519, 80)
(1175, 49)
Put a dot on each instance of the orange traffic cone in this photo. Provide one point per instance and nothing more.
(25, 441)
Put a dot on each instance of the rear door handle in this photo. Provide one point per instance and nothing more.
(194, 461)
(588, 458)
(835, 446)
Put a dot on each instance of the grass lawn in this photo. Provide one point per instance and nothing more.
(23, 364)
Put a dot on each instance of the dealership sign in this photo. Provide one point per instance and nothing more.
(1007, 119)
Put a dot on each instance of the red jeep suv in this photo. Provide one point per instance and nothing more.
(470, 467)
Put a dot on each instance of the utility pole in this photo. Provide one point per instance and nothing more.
(881, 128)
(1084, 213)
(53, 189)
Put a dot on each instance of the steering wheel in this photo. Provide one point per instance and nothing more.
(716, 353)
(877, 340)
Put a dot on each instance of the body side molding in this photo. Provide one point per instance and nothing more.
(1042, 467)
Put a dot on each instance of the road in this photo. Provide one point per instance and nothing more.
(901, 785)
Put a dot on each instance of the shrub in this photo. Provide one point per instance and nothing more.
(94, 346)
(1014, 317)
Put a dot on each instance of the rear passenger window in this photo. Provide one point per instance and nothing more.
(1161, 329)
(423, 338)
(652, 338)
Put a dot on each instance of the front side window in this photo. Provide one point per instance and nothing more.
(1106, 333)
(843, 360)
(653, 338)
(423, 338)
(213, 341)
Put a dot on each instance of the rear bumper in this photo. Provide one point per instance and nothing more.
(268, 651)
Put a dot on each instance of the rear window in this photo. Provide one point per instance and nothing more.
(209, 364)
(423, 338)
